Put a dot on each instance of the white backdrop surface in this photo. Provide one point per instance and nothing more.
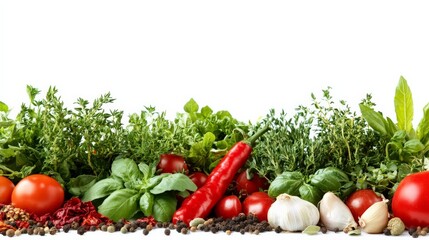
(242, 56)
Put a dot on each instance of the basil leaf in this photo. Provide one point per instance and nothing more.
(310, 193)
(164, 207)
(79, 185)
(287, 182)
(144, 169)
(146, 203)
(191, 106)
(413, 146)
(126, 169)
(329, 179)
(174, 182)
(153, 181)
(404, 105)
(102, 188)
(374, 119)
(120, 204)
(423, 127)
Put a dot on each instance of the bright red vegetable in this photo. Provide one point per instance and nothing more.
(248, 183)
(410, 200)
(199, 178)
(359, 201)
(38, 194)
(228, 207)
(257, 203)
(6, 189)
(172, 163)
(201, 202)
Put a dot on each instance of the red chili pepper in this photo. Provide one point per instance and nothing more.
(200, 203)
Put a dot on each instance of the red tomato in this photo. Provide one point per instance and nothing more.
(172, 163)
(199, 178)
(228, 207)
(6, 189)
(246, 186)
(258, 203)
(38, 194)
(410, 200)
(359, 201)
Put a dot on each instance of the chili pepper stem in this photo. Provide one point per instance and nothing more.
(251, 140)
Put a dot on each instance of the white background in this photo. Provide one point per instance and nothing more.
(243, 56)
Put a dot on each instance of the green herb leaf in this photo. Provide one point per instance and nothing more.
(126, 169)
(423, 127)
(81, 184)
(287, 182)
(329, 179)
(374, 119)
(153, 181)
(413, 146)
(120, 204)
(3, 107)
(164, 207)
(311, 230)
(146, 203)
(191, 106)
(174, 182)
(310, 193)
(102, 188)
(404, 105)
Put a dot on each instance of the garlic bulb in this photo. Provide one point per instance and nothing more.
(292, 213)
(375, 218)
(335, 214)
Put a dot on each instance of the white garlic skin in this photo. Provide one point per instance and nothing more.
(291, 213)
(334, 213)
(375, 218)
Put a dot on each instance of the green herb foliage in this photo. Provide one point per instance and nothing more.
(133, 188)
(407, 149)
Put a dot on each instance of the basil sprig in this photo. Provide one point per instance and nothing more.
(133, 188)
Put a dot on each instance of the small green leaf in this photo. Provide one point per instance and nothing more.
(374, 119)
(164, 207)
(413, 146)
(423, 127)
(144, 169)
(311, 230)
(126, 169)
(120, 204)
(206, 111)
(3, 107)
(102, 189)
(404, 105)
(81, 184)
(287, 182)
(191, 106)
(174, 182)
(146, 203)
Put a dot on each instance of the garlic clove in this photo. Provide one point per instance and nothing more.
(334, 213)
(375, 218)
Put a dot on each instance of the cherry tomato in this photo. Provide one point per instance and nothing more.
(172, 163)
(410, 200)
(199, 178)
(258, 203)
(228, 207)
(359, 201)
(38, 194)
(6, 189)
(246, 186)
